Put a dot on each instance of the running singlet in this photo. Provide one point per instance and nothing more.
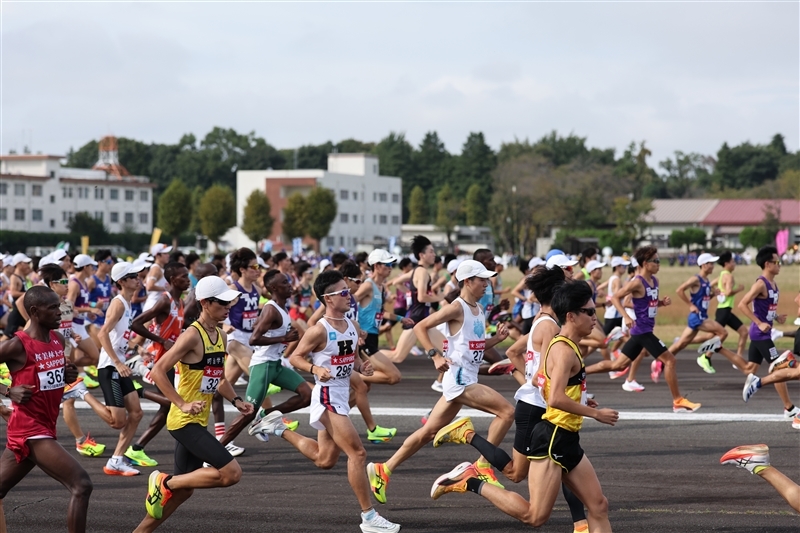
(118, 336)
(44, 369)
(725, 302)
(199, 381)
(645, 308)
(487, 300)
(593, 285)
(272, 352)
(575, 390)
(417, 310)
(82, 300)
(465, 348)
(338, 355)
(152, 296)
(530, 392)
(352, 313)
(101, 296)
(611, 311)
(371, 316)
(170, 329)
(701, 298)
(65, 328)
(765, 309)
(244, 314)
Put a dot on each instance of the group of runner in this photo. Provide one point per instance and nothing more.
(268, 319)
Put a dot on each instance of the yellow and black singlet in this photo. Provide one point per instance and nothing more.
(575, 390)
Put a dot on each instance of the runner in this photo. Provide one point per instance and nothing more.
(303, 297)
(100, 290)
(39, 370)
(611, 317)
(16, 290)
(156, 283)
(727, 292)
(644, 290)
(755, 458)
(465, 350)
(199, 354)
(331, 344)
(555, 454)
(78, 293)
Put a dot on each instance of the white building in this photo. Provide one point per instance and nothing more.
(369, 211)
(37, 194)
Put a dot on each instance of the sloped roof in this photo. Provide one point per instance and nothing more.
(751, 212)
(689, 211)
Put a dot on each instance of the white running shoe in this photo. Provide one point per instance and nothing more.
(797, 321)
(775, 334)
(748, 457)
(378, 524)
(791, 414)
(119, 468)
(267, 426)
(234, 450)
(784, 360)
(614, 335)
(242, 382)
(632, 386)
(711, 345)
(416, 351)
(437, 386)
(751, 385)
(77, 391)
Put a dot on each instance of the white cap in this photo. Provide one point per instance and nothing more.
(594, 265)
(535, 262)
(214, 287)
(471, 268)
(561, 261)
(380, 255)
(82, 260)
(452, 266)
(8, 260)
(499, 260)
(123, 268)
(145, 256)
(634, 262)
(57, 255)
(160, 248)
(261, 262)
(46, 260)
(618, 261)
(325, 263)
(20, 258)
(707, 258)
(143, 263)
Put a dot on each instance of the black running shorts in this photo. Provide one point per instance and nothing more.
(114, 386)
(526, 418)
(611, 323)
(762, 350)
(196, 445)
(646, 341)
(370, 346)
(557, 444)
(725, 317)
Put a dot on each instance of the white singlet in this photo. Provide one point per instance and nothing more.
(465, 351)
(338, 356)
(273, 352)
(529, 392)
(118, 336)
(153, 296)
(611, 311)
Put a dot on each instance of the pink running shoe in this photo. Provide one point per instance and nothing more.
(656, 367)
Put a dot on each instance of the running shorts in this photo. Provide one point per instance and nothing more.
(726, 317)
(526, 418)
(526, 325)
(262, 374)
(456, 380)
(695, 321)
(324, 398)
(114, 386)
(611, 323)
(761, 350)
(196, 445)
(242, 337)
(370, 346)
(557, 444)
(646, 341)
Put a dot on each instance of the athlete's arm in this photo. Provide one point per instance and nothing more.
(364, 294)
(500, 336)
(12, 353)
(314, 340)
(517, 290)
(188, 348)
(744, 306)
(271, 319)
(618, 296)
(402, 278)
(690, 283)
(318, 313)
(159, 313)
(115, 312)
(153, 279)
(421, 283)
(517, 350)
(449, 313)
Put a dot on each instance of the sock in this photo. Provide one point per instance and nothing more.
(166, 481)
(80, 440)
(137, 448)
(789, 409)
(279, 432)
(116, 458)
(373, 429)
(483, 465)
(760, 468)
(497, 457)
(369, 515)
(219, 429)
(474, 485)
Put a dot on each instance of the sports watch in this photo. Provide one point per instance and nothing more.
(433, 352)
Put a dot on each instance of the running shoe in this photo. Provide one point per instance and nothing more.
(139, 458)
(90, 448)
(5, 375)
(711, 345)
(378, 524)
(685, 406)
(705, 363)
(581, 529)
(119, 468)
(437, 386)
(791, 413)
(656, 367)
(775, 334)
(75, 390)
(272, 424)
(454, 481)
(455, 432)
(234, 450)
(90, 382)
(796, 422)
(273, 389)
(619, 374)
(378, 480)
(797, 321)
(614, 335)
(487, 475)
(290, 424)
(157, 494)
(502, 367)
(751, 386)
(416, 351)
(380, 434)
(91, 370)
(632, 386)
(784, 360)
(242, 381)
(750, 457)
(426, 416)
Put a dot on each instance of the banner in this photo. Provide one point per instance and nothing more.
(297, 246)
(782, 241)
(85, 244)
(155, 237)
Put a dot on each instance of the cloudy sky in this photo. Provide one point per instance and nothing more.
(682, 76)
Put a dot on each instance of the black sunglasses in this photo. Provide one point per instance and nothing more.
(656, 261)
(129, 276)
(220, 302)
(588, 311)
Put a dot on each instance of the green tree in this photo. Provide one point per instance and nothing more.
(294, 217)
(677, 239)
(746, 165)
(630, 217)
(195, 225)
(417, 206)
(475, 206)
(755, 237)
(257, 222)
(175, 210)
(448, 212)
(217, 212)
(321, 211)
(83, 224)
(397, 158)
(694, 236)
(475, 166)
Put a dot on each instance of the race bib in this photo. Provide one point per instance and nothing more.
(476, 349)
(103, 302)
(249, 319)
(652, 310)
(212, 375)
(51, 379)
(378, 319)
(772, 313)
(409, 301)
(721, 298)
(305, 301)
(342, 366)
(705, 301)
(66, 329)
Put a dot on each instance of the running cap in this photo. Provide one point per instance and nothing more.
(214, 287)
(57, 255)
(143, 263)
(380, 255)
(594, 265)
(160, 248)
(20, 258)
(535, 262)
(123, 268)
(82, 260)
(261, 262)
(8, 260)
(471, 269)
(619, 261)
(325, 263)
(707, 258)
(561, 261)
(452, 266)
(553, 252)
(46, 260)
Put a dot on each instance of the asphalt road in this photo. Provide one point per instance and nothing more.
(659, 471)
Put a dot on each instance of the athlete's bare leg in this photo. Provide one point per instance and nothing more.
(131, 415)
(788, 489)
(384, 370)
(406, 341)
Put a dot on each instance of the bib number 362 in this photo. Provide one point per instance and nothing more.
(51, 379)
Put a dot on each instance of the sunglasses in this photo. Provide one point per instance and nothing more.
(109, 261)
(779, 262)
(254, 267)
(656, 261)
(223, 303)
(64, 281)
(588, 311)
(129, 276)
(344, 293)
(357, 281)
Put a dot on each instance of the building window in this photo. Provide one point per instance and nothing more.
(36, 215)
(129, 218)
(343, 217)
(36, 190)
(67, 192)
(395, 219)
(52, 198)
(66, 216)
(114, 217)
(374, 219)
(382, 197)
(52, 223)
(343, 195)
(382, 219)
(113, 194)
(355, 219)
(128, 195)
(3, 189)
(330, 241)
(341, 241)
(3, 213)
(374, 197)
(355, 195)
(144, 195)
(52, 173)
(83, 192)
(19, 214)
(98, 215)
(19, 189)
(395, 198)
(98, 193)
(143, 218)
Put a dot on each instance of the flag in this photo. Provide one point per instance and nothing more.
(782, 241)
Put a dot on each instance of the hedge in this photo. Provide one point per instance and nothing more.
(19, 241)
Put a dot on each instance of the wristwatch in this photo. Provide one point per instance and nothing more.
(433, 352)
